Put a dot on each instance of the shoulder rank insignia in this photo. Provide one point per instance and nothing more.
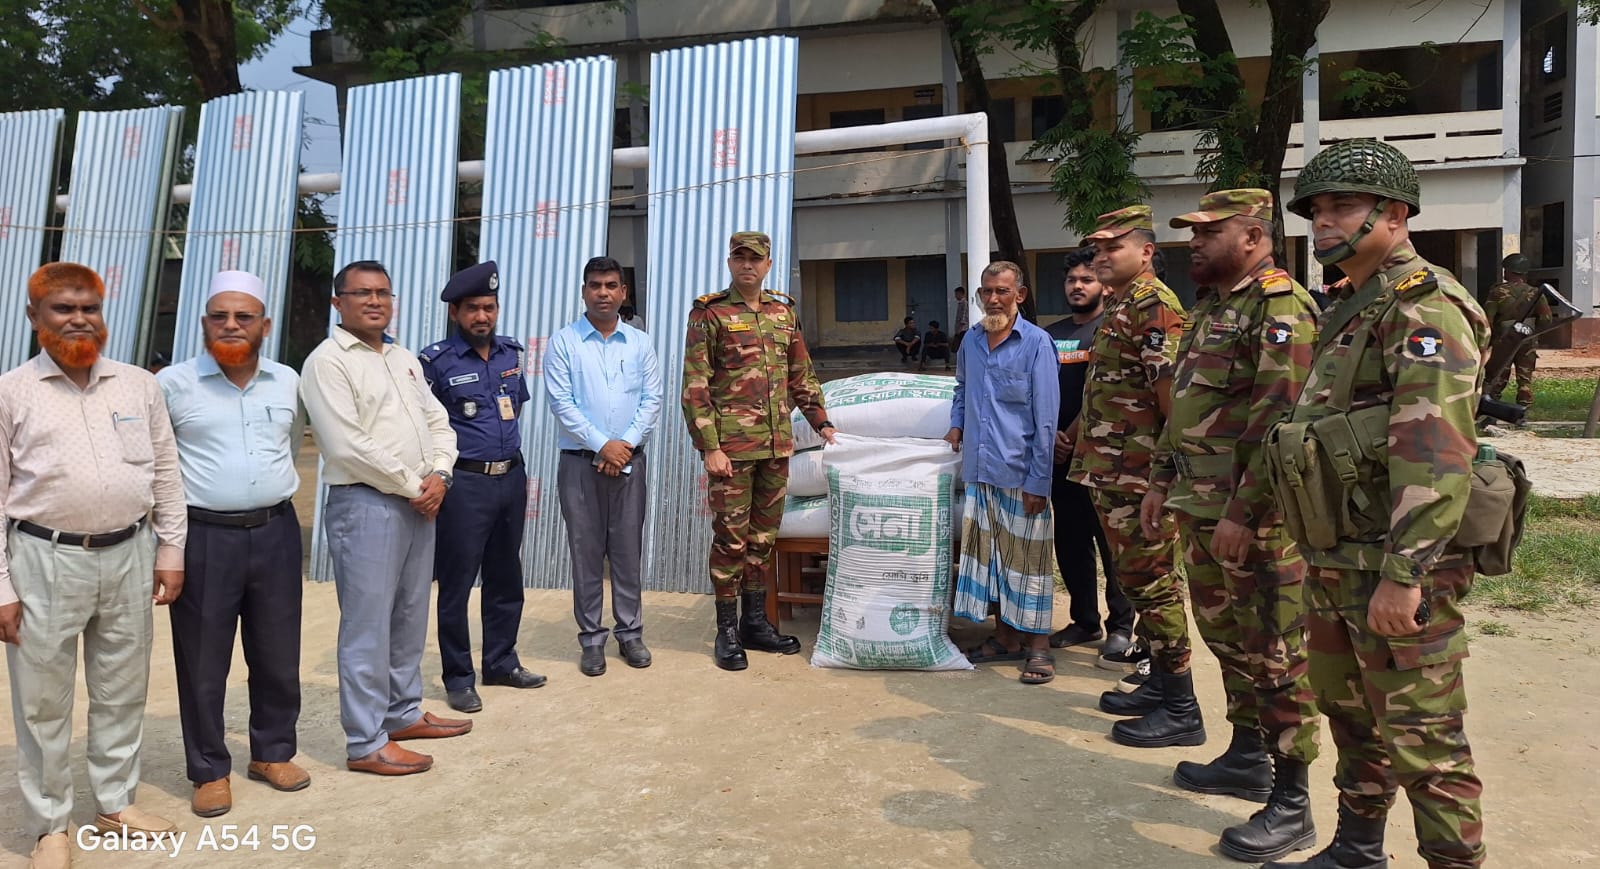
(708, 298)
(1422, 277)
(780, 298)
(1146, 296)
(1276, 283)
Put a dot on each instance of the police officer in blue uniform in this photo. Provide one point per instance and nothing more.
(478, 377)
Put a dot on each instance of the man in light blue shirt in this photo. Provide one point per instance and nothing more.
(604, 386)
(1003, 420)
(236, 419)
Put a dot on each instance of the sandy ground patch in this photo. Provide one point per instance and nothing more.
(1557, 467)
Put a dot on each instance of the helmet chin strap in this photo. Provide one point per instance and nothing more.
(1347, 248)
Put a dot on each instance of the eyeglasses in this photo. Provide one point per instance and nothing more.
(245, 321)
(367, 295)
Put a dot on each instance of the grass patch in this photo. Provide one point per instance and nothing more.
(1558, 400)
(1492, 628)
(1557, 565)
(1585, 509)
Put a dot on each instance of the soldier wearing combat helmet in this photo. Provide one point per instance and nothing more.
(1390, 401)
(1509, 305)
(745, 366)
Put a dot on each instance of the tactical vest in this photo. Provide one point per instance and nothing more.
(1330, 476)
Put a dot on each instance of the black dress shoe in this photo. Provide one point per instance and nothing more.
(464, 700)
(635, 653)
(593, 662)
(518, 678)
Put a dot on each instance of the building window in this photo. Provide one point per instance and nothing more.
(1552, 238)
(1550, 41)
(855, 118)
(1047, 112)
(861, 291)
(1049, 296)
(916, 113)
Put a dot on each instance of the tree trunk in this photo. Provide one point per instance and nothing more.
(1076, 89)
(207, 29)
(1294, 31)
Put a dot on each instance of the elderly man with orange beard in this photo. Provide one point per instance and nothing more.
(236, 417)
(88, 468)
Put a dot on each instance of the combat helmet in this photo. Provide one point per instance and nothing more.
(1517, 264)
(1357, 166)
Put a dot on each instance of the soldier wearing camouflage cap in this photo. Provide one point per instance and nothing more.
(1240, 367)
(1509, 305)
(1392, 392)
(745, 366)
(1126, 402)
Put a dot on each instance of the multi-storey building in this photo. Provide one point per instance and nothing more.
(1499, 114)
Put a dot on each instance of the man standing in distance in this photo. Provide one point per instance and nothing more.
(477, 376)
(1508, 305)
(1078, 533)
(745, 365)
(1240, 368)
(1125, 405)
(387, 449)
(86, 459)
(235, 415)
(1004, 414)
(604, 387)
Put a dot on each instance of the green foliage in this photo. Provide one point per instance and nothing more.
(1556, 567)
(1589, 11)
(1093, 172)
(1366, 90)
(1564, 400)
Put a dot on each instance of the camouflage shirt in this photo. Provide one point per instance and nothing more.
(1510, 302)
(743, 371)
(1121, 417)
(1425, 362)
(1241, 365)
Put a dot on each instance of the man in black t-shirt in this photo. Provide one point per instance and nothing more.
(1078, 529)
(935, 345)
(908, 341)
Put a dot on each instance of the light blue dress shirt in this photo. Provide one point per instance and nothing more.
(1006, 404)
(236, 447)
(602, 389)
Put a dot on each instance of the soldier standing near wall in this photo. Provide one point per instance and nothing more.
(1508, 305)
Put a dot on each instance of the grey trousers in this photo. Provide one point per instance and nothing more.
(382, 553)
(605, 519)
(102, 595)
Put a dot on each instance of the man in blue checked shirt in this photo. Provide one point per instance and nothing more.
(604, 386)
(477, 375)
(1003, 421)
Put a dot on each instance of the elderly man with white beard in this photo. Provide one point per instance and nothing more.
(1003, 421)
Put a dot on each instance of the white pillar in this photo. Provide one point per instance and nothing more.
(1311, 133)
(1467, 259)
(1585, 199)
(1511, 127)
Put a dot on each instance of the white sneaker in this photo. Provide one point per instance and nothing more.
(1131, 682)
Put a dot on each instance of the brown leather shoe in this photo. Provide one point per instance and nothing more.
(212, 798)
(391, 759)
(431, 726)
(52, 852)
(282, 775)
(132, 822)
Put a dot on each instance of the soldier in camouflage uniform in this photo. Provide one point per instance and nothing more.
(1241, 365)
(1508, 305)
(1125, 402)
(1400, 361)
(745, 366)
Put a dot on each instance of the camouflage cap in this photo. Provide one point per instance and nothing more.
(1121, 222)
(755, 242)
(1223, 204)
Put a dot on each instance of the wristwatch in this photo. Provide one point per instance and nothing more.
(445, 476)
(825, 424)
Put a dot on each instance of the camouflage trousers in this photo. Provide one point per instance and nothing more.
(1253, 618)
(1526, 360)
(747, 508)
(1144, 570)
(1394, 706)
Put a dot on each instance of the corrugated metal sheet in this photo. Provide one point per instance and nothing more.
(247, 162)
(122, 165)
(722, 124)
(31, 142)
(397, 204)
(547, 178)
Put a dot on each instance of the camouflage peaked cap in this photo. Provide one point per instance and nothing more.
(1121, 222)
(1358, 166)
(1223, 204)
(756, 242)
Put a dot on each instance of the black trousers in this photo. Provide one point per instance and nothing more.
(480, 529)
(232, 577)
(1078, 536)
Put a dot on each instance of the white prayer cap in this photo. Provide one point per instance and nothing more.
(238, 282)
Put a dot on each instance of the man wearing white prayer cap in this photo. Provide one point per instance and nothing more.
(237, 420)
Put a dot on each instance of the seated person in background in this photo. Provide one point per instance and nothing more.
(907, 341)
(935, 345)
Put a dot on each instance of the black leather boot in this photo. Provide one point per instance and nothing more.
(729, 653)
(758, 633)
(1142, 700)
(1282, 826)
(1176, 722)
(1243, 771)
(1357, 844)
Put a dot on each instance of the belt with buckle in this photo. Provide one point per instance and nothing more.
(493, 469)
(590, 454)
(1201, 467)
(241, 519)
(87, 541)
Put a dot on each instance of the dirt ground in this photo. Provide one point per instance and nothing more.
(786, 765)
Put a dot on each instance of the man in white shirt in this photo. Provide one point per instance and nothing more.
(387, 450)
(235, 415)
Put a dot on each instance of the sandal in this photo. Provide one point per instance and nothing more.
(1037, 668)
(991, 650)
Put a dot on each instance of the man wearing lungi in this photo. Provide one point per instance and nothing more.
(1004, 413)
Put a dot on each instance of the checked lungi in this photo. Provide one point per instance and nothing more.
(1006, 558)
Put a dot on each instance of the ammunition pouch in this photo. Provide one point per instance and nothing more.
(1497, 509)
(1330, 477)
